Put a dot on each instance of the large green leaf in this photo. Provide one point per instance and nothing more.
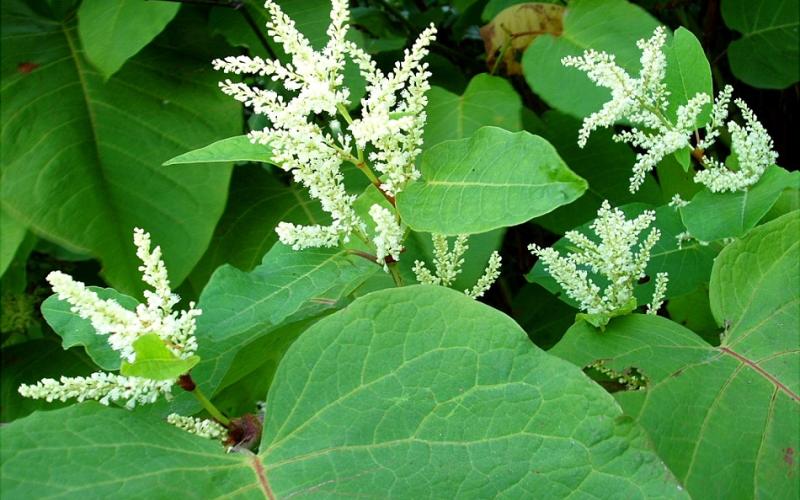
(256, 204)
(737, 402)
(361, 405)
(82, 158)
(424, 382)
(89, 451)
(76, 331)
(232, 149)
(113, 31)
(494, 179)
(612, 26)
(487, 100)
(737, 212)
(288, 286)
(767, 54)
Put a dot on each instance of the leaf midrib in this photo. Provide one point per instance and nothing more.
(99, 173)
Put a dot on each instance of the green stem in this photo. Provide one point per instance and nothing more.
(210, 408)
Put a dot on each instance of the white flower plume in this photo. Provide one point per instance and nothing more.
(122, 328)
(643, 102)
(391, 122)
(619, 258)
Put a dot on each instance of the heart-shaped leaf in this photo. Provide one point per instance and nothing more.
(404, 384)
(737, 212)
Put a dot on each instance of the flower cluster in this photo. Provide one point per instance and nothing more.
(662, 279)
(388, 234)
(447, 266)
(753, 148)
(122, 327)
(616, 258)
(200, 426)
(643, 102)
(391, 122)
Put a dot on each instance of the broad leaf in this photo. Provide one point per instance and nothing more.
(82, 158)
(76, 331)
(288, 286)
(487, 100)
(735, 213)
(767, 54)
(612, 26)
(423, 381)
(232, 149)
(494, 179)
(113, 31)
(155, 361)
(361, 405)
(739, 400)
(688, 264)
(116, 454)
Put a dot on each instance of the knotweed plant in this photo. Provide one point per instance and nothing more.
(152, 334)
(308, 139)
(448, 265)
(643, 101)
(620, 258)
(122, 328)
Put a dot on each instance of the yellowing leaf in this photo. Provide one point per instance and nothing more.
(514, 28)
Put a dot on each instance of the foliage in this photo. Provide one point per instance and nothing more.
(381, 152)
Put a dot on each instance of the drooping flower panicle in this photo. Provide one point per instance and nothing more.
(643, 102)
(391, 122)
(122, 328)
(619, 257)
